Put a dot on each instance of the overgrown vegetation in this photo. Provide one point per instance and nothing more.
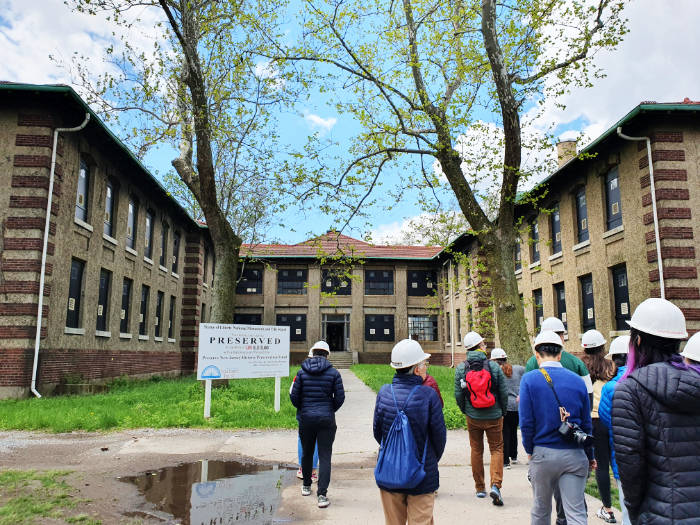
(28, 496)
(155, 403)
(374, 376)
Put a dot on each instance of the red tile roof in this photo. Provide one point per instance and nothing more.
(333, 244)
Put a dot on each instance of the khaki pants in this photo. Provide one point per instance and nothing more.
(494, 435)
(402, 509)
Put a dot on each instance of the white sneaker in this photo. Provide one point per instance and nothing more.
(323, 502)
(305, 491)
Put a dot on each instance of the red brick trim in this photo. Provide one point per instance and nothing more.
(672, 252)
(663, 155)
(189, 322)
(24, 265)
(189, 333)
(21, 243)
(664, 175)
(9, 309)
(193, 260)
(191, 280)
(192, 292)
(32, 202)
(192, 313)
(20, 332)
(29, 223)
(667, 213)
(661, 136)
(35, 181)
(34, 141)
(188, 344)
(691, 314)
(677, 292)
(667, 194)
(190, 301)
(29, 287)
(675, 272)
(671, 232)
(192, 249)
(39, 120)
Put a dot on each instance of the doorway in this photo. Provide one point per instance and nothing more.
(335, 329)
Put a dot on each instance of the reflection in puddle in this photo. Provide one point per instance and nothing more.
(215, 491)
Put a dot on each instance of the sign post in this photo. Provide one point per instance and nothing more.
(236, 351)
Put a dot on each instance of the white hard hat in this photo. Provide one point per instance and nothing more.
(554, 324)
(592, 339)
(319, 345)
(692, 348)
(471, 340)
(659, 317)
(407, 352)
(547, 337)
(498, 353)
(619, 345)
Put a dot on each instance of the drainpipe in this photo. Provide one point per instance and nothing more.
(37, 338)
(451, 328)
(659, 262)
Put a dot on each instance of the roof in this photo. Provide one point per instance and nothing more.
(333, 244)
(65, 90)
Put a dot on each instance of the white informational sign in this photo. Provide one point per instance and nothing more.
(233, 351)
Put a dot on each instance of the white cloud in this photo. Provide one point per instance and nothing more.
(422, 229)
(319, 123)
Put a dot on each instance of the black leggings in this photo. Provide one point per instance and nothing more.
(602, 456)
(311, 433)
(510, 436)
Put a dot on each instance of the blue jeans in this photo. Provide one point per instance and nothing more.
(315, 453)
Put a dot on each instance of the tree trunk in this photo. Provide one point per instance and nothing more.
(508, 310)
(227, 246)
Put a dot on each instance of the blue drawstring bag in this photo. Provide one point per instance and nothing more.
(397, 465)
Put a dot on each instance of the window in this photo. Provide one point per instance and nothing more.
(81, 197)
(518, 255)
(379, 282)
(588, 310)
(537, 304)
(423, 327)
(164, 232)
(159, 313)
(250, 282)
(470, 318)
(254, 319)
(126, 303)
(292, 281)
(296, 324)
(448, 330)
(143, 313)
(205, 264)
(379, 327)
(75, 292)
(110, 199)
(176, 250)
(581, 215)
(458, 322)
(149, 235)
(103, 300)
(171, 318)
(560, 302)
(612, 199)
(131, 222)
(622, 298)
(555, 223)
(202, 313)
(534, 241)
(421, 283)
(335, 282)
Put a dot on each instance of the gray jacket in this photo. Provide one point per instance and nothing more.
(513, 384)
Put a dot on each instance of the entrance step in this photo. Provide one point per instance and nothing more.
(341, 359)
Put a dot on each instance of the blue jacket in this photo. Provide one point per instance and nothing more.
(427, 422)
(605, 412)
(317, 392)
(539, 411)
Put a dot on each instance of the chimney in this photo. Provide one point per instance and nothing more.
(566, 150)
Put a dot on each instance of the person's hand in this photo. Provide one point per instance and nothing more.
(529, 457)
(517, 399)
(593, 464)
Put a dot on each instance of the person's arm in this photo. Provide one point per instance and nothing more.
(295, 392)
(586, 376)
(432, 383)
(377, 420)
(527, 422)
(436, 426)
(459, 391)
(629, 440)
(606, 404)
(338, 392)
(502, 389)
(587, 424)
(531, 364)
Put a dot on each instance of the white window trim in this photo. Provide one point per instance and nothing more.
(534, 265)
(162, 268)
(131, 250)
(555, 256)
(205, 285)
(159, 339)
(83, 224)
(143, 337)
(110, 239)
(177, 276)
(74, 331)
(171, 340)
(148, 261)
(614, 231)
(123, 335)
(102, 333)
(581, 245)
(519, 272)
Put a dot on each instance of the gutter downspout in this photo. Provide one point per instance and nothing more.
(452, 314)
(659, 262)
(37, 338)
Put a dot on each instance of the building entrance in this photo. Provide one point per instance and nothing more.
(335, 329)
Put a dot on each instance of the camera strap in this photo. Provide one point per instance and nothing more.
(563, 414)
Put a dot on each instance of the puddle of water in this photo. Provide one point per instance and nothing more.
(215, 491)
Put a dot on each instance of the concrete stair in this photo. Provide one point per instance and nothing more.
(341, 359)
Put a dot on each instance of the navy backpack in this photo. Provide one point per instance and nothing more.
(397, 465)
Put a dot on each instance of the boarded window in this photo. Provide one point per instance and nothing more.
(379, 327)
(75, 292)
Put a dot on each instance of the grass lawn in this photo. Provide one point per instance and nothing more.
(28, 496)
(592, 489)
(155, 403)
(374, 376)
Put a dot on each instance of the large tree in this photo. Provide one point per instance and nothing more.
(203, 88)
(418, 75)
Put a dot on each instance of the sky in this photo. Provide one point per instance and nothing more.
(656, 61)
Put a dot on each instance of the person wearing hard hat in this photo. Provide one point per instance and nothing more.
(618, 354)
(656, 420)
(317, 393)
(513, 375)
(601, 370)
(691, 352)
(555, 422)
(421, 405)
(300, 475)
(481, 393)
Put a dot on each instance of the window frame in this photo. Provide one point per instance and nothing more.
(387, 322)
(110, 206)
(176, 251)
(164, 237)
(336, 287)
(82, 212)
(132, 214)
(518, 257)
(102, 318)
(613, 219)
(555, 228)
(288, 284)
(581, 210)
(537, 308)
(148, 233)
(622, 308)
(535, 254)
(158, 320)
(375, 285)
(587, 321)
(125, 311)
(143, 309)
(75, 293)
(171, 317)
(243, 318)
(558, 289)
(296, 324)
(425, 283)
(418, 325)
(247, 277)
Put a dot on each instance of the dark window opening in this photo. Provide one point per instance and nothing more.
(458, 322)
(103, 300)
(75, 292)
(581, 215)
(81, 197)
(250, 282)
(613, 202)
(159, 313)
(110, 199)
(588, 310)
(556, 229)
(560, 302)
(164, 233)
(126, 303)
(423, 327)
(296, 324)
(534, 242)
(379, 282)
(171, 317)
(449, 328)
(176, 251)
(518, 256)
(335, 282)
(537, 304)
(379, 327)
(254, 319)
(203, 313)
(131, 218)
(421, 283)
(143, 313)
(148, 252)
(292, 281)
(622, 298)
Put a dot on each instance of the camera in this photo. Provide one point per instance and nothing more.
(575, 433)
